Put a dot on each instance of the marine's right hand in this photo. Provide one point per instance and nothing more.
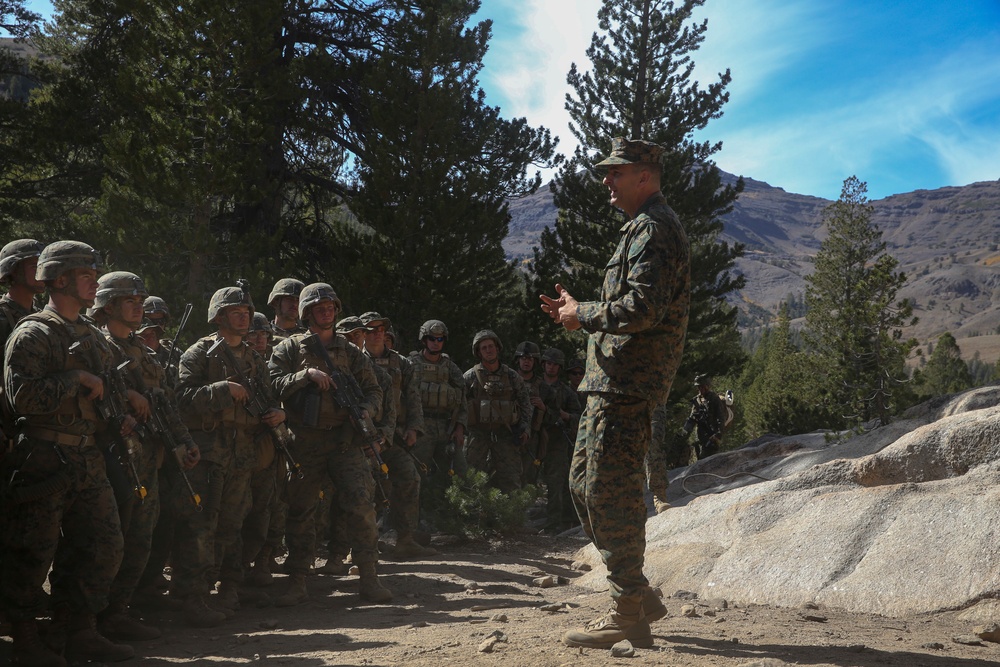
(92, 383)
(322, 379)
(238, 392)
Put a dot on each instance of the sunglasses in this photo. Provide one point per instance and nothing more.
(436, 339)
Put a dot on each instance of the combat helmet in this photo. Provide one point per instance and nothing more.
(480, 337)
(62, 256)
(154, 305)
(350, 324)
(554, 355)
(285, 287)
(432, 328)
(15, 251)
(528, 349)
(576, 363)
(315, 293)
(259, 322)
(116, 284)
(226, 297)
(372, 318)
(703, 380)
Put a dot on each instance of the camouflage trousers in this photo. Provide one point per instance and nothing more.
(436, 449)
(75, 529)
(208, 545)
(558, 504)
(263, 489)
(328, 461)
(656, 458)
(138, 528)
(606, 482)
(402, 489)
(498, 453)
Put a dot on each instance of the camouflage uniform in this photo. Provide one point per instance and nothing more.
(57, 446)
(561, 436)
(636, 338)
(708, 413)
(328, 451)
(442, 399)
(499, 412)
(208, 546)
(404, 478)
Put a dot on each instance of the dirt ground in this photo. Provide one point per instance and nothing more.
(445, 608)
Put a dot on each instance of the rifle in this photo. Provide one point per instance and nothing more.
(177, 336)
(113, 409)
(348, 395)
(255, 404)
(159, 426)
(420, 464)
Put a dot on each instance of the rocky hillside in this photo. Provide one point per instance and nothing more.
(946, 240)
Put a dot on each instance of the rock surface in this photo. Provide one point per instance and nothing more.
(900, 520)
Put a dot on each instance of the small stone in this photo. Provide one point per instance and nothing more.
(242, 638)
(354, 571)
(623, 649)
(990, 633)
(685, 595)
(937, 646)
(486, 646)
(580, 566)
(689, 611)
(718, 604)
(810, 605)
(719, 620)
(269, 624)
(555, 606)
(547, 581)
(419, 624)
(256, 656)
(968, 640)
(815, 618)
(471, 586)
(499, 618)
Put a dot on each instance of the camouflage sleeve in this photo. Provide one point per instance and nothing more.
(410, 398)
(387, 419)
(262, 379)
(553, 401)
(651, 283)
(283, 366)
(30, 386)
(363, 371)
(523, 401)
(459, 381)
(196, 392)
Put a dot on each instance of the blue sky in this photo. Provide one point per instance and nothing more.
(903, 94)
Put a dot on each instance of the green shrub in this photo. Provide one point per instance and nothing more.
(475, 509)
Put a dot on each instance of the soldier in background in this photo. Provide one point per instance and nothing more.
(156, 317)
(637, 330)
(404, 478)
(499, 414)
(208, 545)
(527, 360)
(18, 261)
(442, 399)
(708, 414)
(60, 508)
(326, 442)
(575, 373)
(284, 301)
(566, 408)
(260, 335)
(119, 306)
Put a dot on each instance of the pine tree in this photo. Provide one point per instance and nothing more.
(641, 86)
(946, 372)
(854, 319)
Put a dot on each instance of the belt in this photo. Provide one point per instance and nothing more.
(57, 437)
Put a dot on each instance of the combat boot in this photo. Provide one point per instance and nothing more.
(660, 506)
(335, 566)
(296, 592)
(116, 623)
(86, 643)
(652, 606)
(28, 649)
(623, 622)
(371, 588)
(198, 614)
(260, 574)
(407, 547)
(228, 598)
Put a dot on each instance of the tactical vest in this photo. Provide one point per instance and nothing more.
(152, 373)
(76, 414)
(535, 389)
(437, 395)
(327, 414)
(492, 401)
(235, 416)
(393, 365)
